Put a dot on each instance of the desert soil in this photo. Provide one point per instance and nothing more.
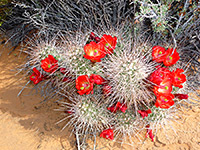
(28, 124)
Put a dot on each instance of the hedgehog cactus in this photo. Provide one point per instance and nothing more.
(85, 113)
(74, 59)
(128, 125)
(115, 81)
(112, 88)
(127, 74)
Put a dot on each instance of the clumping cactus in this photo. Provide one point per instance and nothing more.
(85, 113)
(127, 71)
(115, 82)
(111, 88)
(128, 127)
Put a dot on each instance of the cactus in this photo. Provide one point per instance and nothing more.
(127, 74)
(85, 114)
(134, 102)
(128, 127)
(116, 81)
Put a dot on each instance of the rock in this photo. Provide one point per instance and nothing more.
(179, 141)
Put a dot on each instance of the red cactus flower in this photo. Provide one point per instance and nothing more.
(107, 134)
(170, 58)
(109, 43)
(165, 87)
(159, 75)
(96, 79)
(68, 112)
(36, 76)
(94, 51)
(114, 107)
(84, 85)
(181, 96)
(49, 64)
(158, 53)
(179, 78)
(66, 79)
(107, 89)
(150, 133)
(165, 101)
(97, 39)
(144, 113)
(92, 36)
(63, 70)
(123, 108)
(118, 106)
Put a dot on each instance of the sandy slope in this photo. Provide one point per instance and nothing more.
(25, 124)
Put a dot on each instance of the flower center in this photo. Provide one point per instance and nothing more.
(170, 58)
(160, 53)
(49, 66)
(86, 85)
(107, 46)
(95, 52)
(164, 100)
(82, 88)
(33, 77)
(161, 75)
(166, 87)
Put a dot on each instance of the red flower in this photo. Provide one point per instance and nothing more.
(114, 107)
(94, 51)
(68, 112)
(165, 87)
(159, 75)
(108, 134)
(92, 36)
(63, 70)
(97, 79)
(36, 76)
(97, 39)
(109, 43)
(158, 54)
(170, 58)
(149, 132)
(123, 108)
(49, 64)
(164, 101)
(118, 106)
(107, 90)
(84, 85)
(144, 113)
(181, 96)
(66, 79)
(178, 78)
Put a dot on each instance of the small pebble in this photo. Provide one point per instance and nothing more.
(179, 141)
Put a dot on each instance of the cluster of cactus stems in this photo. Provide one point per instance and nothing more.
(114, 79)
(111, 88)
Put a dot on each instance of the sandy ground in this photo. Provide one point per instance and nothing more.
(26, 124)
